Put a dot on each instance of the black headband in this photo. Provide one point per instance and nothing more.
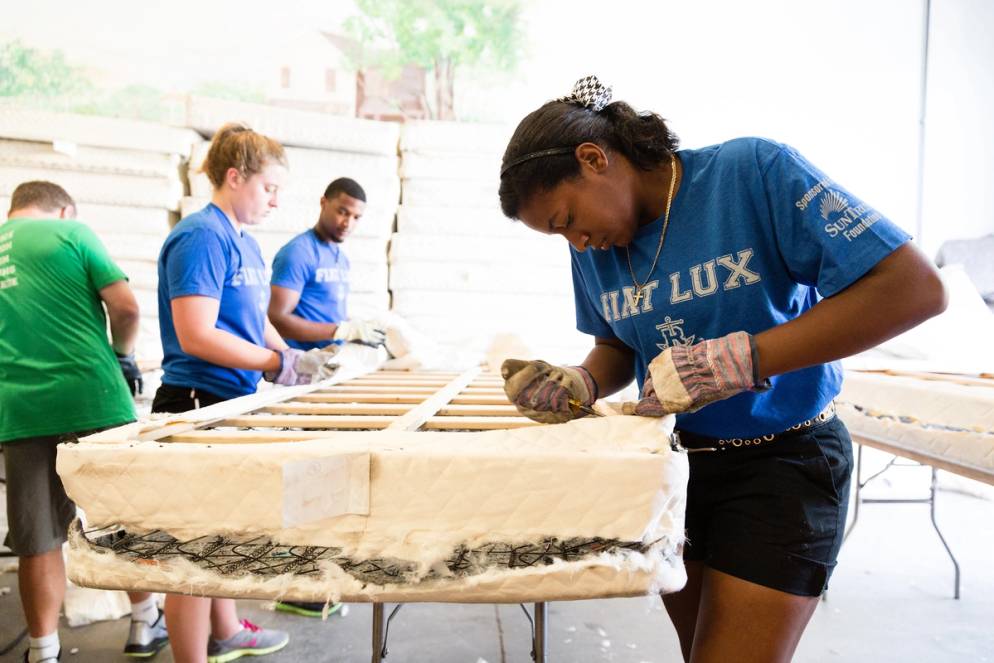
(552, 151)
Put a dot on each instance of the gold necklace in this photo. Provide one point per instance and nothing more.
(640, 287)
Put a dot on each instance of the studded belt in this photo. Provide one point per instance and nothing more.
(692, 443)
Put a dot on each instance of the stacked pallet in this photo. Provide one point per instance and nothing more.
(319, 148)
(459, 270)
(125, 176)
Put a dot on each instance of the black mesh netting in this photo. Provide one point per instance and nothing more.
(261, 557)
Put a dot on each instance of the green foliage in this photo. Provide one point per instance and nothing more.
(228, 90)
(394, 33)
(27, 71)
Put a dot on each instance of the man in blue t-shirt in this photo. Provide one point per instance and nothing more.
(310, 281)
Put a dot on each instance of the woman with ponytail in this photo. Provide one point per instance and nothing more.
(727, 281)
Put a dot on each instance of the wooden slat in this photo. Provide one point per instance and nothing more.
(478, 411)
(419, 414)
(387, 409)
(340, 389)
(363, 398)
(310, 421)
(480, 400)
(477, 423)
(263, 436)
(339, 408)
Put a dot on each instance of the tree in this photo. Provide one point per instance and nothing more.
(27, 71)
(438, 35)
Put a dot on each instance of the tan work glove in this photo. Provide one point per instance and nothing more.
(542, 391)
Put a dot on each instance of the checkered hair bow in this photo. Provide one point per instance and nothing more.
(590, 93)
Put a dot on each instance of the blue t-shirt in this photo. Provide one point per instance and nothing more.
(757, 235)
(204, 255)
(319, 271)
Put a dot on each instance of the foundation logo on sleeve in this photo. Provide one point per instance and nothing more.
(832, 202)
(842, 216)
(673, 334)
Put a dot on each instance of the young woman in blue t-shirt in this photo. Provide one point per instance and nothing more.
(218, 343)
(727, 281)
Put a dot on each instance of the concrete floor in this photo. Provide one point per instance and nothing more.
(890, 600)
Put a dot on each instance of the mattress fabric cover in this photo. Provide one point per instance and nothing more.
(388, 495)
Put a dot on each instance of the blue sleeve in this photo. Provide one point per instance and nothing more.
(588, 319)
(197, 264)
(828, 238)
(293, 266)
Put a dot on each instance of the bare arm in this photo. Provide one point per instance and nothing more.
(282, 303)
(611, 364)
(122, 311)
(901, 291)
(272, 337)
(195, 318)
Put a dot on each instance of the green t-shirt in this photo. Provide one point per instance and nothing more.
(58, 373)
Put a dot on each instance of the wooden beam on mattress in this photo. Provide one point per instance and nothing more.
(418, 415)
(215, 436)
(387, 409)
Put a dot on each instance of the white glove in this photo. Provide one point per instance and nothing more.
(359, 331)
(299, 367)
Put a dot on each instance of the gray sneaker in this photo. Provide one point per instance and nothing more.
(252, 640)
(144, 639)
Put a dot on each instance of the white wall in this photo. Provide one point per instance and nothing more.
(959, 134)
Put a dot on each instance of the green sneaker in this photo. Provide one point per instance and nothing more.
(306, 609)
(252, 640)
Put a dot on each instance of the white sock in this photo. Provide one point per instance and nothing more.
(47, 646)
(145, 611)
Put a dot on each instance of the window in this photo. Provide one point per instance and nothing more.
(329, 80)
(285, 77)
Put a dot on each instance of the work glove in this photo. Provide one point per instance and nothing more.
(360, 331)
(685, 378)
(131, 372)
(299, 367)
(542, 391)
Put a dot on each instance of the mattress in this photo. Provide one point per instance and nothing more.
(106, 189)
(471, 305)
(295, 127)
(36, 125)
(533, 249)
(485, 220)
(480, 167)
(941, 417)
(468, 138)
(295, 217)
(592, 508)
(438, 192)
(133, 246)
(472, 277)
(15, 153)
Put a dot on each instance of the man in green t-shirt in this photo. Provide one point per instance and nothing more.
(59, 379)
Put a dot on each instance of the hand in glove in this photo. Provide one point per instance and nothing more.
(131, 372)
(359, 331)
(299, 367)
(685, 378)
(542, 391)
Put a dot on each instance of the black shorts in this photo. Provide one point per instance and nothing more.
(38, 509)
(169, 398)
(773, 514)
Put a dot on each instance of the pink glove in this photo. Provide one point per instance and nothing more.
(685, 378)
